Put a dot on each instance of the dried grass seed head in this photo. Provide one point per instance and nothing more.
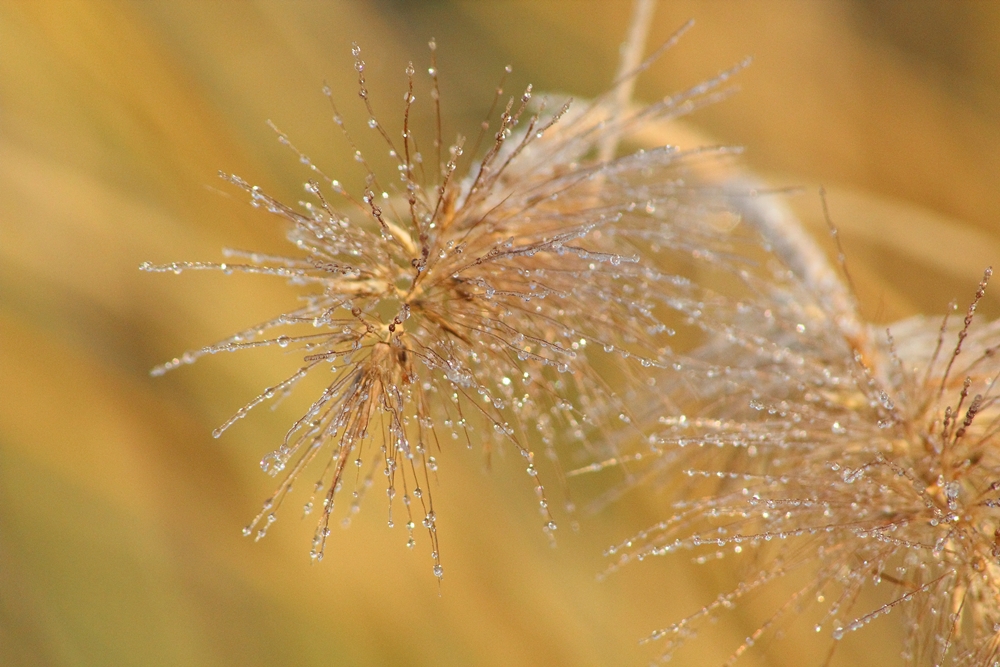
(462, 295)
(860, 461)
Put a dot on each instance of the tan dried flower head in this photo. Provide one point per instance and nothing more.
(857, 463)
(472, 299)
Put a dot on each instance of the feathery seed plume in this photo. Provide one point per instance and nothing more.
(473, 298)
(850, 457)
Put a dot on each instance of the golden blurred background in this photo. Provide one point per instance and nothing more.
(120, 516)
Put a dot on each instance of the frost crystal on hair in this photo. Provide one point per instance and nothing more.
(474, 298)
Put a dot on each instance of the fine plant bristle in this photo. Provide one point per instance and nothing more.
(804, 454)
(472, 298)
